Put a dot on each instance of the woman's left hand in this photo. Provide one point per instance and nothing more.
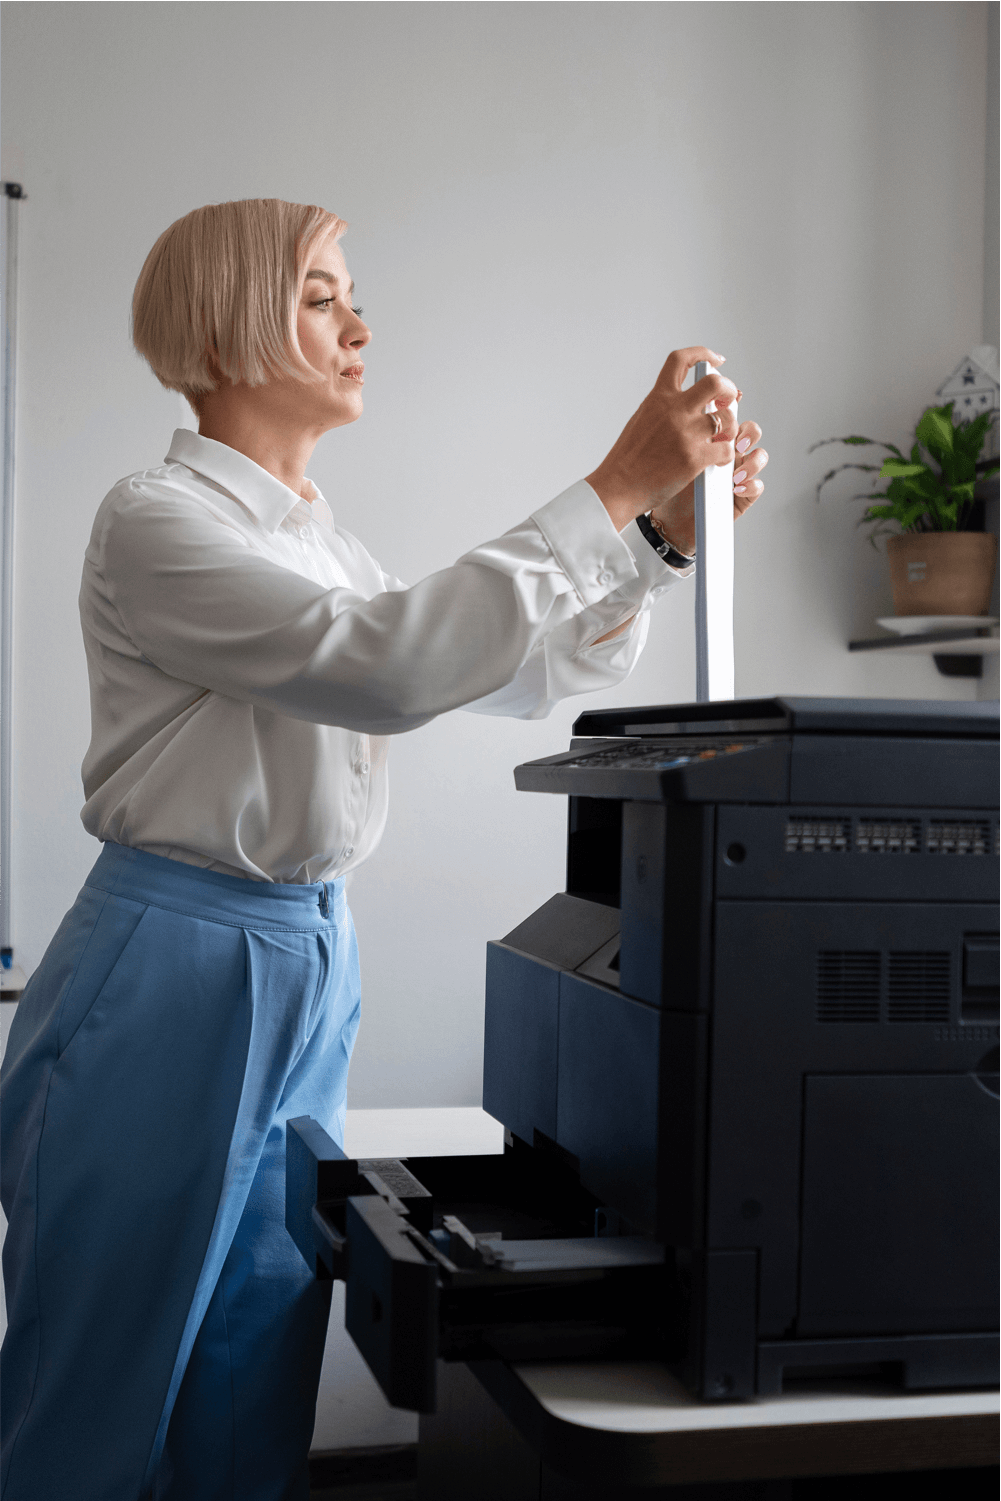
(676, 517)
(748, 462)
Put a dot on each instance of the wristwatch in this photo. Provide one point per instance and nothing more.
(664, 549)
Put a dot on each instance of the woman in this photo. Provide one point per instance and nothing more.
(247, 661)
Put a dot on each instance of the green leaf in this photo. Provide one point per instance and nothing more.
(870, 468)
(894, 469)
(924, 485)
(969, 440)
(935, 430)
(824, 442)
(856, 441)
(907, 515)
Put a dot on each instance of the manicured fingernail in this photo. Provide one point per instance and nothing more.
(739, 489)
(743, 445)
(741, 474)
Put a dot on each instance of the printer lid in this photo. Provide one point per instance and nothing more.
(845, 716)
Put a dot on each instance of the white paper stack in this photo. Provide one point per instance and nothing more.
(713, 577)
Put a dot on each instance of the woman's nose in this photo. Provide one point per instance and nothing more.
(358, 336)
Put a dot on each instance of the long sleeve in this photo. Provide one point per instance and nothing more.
(571, 659)
(203, 606)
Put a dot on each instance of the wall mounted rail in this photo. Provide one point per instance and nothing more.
(13, 196)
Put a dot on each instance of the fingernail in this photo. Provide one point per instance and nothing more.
(743, 445)
(741, 474)
(739, 489)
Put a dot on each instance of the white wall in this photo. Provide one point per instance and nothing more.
(988, 686)
(544, 200)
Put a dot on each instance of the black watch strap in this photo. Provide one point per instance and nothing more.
(672, 557)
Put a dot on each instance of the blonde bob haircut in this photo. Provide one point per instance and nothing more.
(223, 284)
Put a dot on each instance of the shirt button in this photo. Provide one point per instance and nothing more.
(604, 578)
(363, 768)
(656, 592)
(349, 852)
(304, 531)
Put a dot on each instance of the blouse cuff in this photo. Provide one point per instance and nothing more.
(650, 566)
(586, 545)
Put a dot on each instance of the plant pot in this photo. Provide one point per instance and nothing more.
(942, 573)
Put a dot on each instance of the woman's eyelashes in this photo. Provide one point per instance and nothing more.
(326, 302)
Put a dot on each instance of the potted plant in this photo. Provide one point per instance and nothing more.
(937, 567)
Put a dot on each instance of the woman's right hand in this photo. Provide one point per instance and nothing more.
(668, 440)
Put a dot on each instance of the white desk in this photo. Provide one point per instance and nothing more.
(584, 1431)
(643, 1397)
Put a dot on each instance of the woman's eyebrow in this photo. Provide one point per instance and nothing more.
(326, 276)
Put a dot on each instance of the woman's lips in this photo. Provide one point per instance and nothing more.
(354, 372)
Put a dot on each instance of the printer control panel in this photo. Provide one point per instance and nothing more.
(659, 755)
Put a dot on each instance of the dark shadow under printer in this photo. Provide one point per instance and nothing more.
(762, 1025)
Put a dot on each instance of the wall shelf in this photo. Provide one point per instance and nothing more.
(957, 653)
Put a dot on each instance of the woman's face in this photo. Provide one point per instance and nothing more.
(332, 337)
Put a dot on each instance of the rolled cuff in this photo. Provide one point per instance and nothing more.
(583, 540)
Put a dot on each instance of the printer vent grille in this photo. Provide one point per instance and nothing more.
(847, 986)
(817, 836)
(959, 836)
(888, 836)
(918, 987)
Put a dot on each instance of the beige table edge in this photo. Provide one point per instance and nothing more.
(650, 1432)
(643, 1397)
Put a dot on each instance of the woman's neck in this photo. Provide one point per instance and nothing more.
(248, 419)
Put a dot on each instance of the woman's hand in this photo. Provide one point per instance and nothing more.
(676, 516)
(668, 440)
(748, 463)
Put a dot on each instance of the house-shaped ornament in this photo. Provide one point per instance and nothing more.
(973, 388)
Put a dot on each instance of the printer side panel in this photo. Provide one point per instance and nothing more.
(843, 1038)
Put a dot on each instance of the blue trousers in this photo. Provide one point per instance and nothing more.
(165, 1336)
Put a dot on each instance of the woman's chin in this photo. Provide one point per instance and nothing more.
(345, 412)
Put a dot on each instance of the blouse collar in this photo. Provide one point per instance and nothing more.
(267, 499)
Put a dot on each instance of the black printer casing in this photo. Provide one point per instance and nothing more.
(762, 1023)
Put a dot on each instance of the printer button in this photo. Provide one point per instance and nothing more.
(980, 962)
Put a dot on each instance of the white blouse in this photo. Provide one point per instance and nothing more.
(248, 658)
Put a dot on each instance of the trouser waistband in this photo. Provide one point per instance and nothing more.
(141, 877)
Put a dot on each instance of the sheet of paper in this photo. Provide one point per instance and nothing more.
(713, 578)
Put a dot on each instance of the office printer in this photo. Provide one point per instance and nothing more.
(747, 1064)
